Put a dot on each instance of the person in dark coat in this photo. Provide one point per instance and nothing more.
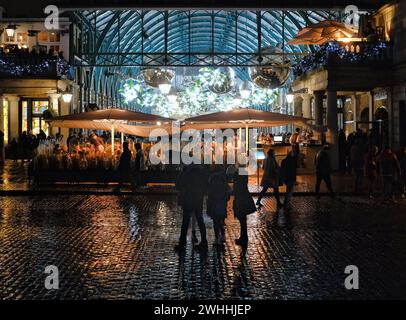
(357, 163)
(243, 205)
(271, 178)
(342, 146)
(124, 167)
(192, 184)
(217, 198)
(288, 173)
(139, 164)
(323, 170)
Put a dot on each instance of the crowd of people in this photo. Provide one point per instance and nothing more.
(194, 183)
(364, 156)
(26, 145)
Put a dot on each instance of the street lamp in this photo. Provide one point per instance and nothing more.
(10, 30)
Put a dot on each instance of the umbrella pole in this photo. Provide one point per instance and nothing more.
(112, 142)
(246, 139)
(122, 138)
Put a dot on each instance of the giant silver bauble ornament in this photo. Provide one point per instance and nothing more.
(156, 76)
(222, 80)
(274, 70)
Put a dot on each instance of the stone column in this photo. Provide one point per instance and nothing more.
(64, 110)
(54, 107)
(307, 105)
(318, 107)
(332, 125)
(13, 105)
(318, 115)
(355, 108)
(297, 106)
(2, 128)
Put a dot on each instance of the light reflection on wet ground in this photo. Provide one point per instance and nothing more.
(121, 247)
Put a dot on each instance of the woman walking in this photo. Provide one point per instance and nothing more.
(270, 179)
(243, 205)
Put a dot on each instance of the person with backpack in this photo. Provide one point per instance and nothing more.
(192, 184)
(270, 179)
(288, 173)
(217, 198)
(243, 205)
(323, 170)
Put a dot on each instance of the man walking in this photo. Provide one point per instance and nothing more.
(288, 168)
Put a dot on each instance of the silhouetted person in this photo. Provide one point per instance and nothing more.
(217, 191)
(192, 184)
(389, 167)
(342, 150)
(371, 169)
(288, 172)
(124, 167)
(357, 163)
(139, 164)
(295, 137)
(41, 135)
(323, 170)
(270, 179)
(243, 205)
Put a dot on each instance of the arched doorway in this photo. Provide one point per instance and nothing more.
(364, 118)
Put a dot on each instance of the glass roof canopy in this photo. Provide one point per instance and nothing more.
(124, 40)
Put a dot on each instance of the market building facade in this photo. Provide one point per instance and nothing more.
(83, 65)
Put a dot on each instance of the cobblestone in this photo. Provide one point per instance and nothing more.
(121, 247)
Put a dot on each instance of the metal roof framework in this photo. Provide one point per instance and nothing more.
(117, 43)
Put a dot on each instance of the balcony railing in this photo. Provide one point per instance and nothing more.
(31, 66)
(342, 55)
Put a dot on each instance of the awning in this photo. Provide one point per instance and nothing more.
(241, 118)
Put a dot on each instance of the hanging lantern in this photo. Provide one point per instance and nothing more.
(172, 97)
(156, 76)
(245, 89)
(165, 86)
(290, 96)
(222, 80)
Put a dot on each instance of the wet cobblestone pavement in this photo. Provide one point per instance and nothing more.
(121, 247)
